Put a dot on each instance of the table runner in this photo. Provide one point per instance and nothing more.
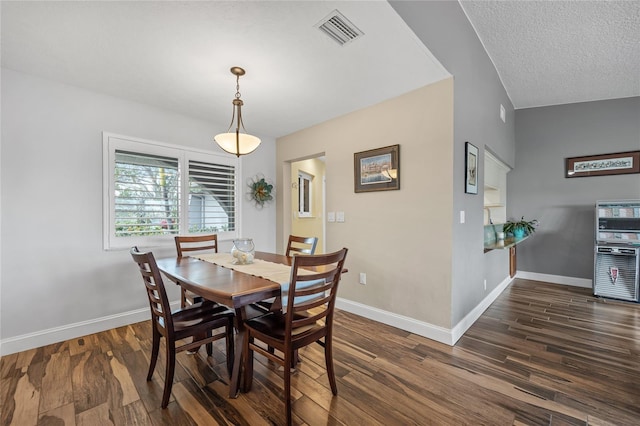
(276, 272)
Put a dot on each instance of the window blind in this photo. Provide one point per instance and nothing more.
(212, 195)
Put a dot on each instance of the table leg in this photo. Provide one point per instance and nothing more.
(234, 385)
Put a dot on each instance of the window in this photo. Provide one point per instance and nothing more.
(304, 194)
(144, 184)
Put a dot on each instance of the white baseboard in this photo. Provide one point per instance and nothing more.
(72, 331)
(411, 325)
(421, 328)
(471, 317)
(555, 279)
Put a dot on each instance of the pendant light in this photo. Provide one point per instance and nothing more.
(237, 143)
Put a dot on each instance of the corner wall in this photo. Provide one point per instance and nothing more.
(478, 92)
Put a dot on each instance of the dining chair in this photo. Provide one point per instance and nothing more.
(307, 318)
(304, 245)
(296, 245)
(194, 243)
(197, 321)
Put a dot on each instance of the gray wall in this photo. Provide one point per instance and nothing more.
(55, 273)
(445, 30)
(537, 188)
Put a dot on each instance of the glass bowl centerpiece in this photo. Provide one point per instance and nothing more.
(243, 251)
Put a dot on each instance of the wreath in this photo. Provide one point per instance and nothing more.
(260, 191)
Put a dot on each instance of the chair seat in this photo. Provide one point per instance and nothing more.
(273, 324)
(200, 314)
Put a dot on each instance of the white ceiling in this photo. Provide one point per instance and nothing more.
(558, 52)
(177, 55)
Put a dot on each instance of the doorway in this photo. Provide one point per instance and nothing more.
(307, 205)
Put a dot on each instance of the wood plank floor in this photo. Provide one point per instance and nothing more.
(542, 354)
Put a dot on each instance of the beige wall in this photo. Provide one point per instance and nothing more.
(309, 226)
(401, 239)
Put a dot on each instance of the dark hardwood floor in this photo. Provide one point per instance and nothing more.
(542, 354)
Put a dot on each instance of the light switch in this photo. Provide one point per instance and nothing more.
(461, 216)
(331, 216)
(339, 216)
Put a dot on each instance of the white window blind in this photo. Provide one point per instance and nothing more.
(212, 206)
(154, 191)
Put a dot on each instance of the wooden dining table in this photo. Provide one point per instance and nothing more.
(226, 286)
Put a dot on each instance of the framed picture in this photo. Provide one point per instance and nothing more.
(604, 164)
(377, 169)
(471, 169)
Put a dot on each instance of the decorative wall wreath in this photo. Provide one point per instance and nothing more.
(260, 190)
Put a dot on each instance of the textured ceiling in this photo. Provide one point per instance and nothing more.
(177, 55)
(557, 52)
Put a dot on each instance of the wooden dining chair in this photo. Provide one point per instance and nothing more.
(194, 243)
(296, 245)
(304, 245)
(308, 318)
(197, 321)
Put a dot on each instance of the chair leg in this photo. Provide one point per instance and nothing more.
(230, 346)
(295, 359)
(168, 377)
(247, 355)
(155, 347)
(183, 298)
(288, 360)
(209, 345)
(328, 357)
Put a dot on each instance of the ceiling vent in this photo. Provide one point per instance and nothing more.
(339, 28)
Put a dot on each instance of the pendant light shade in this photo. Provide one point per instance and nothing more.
(237, 143)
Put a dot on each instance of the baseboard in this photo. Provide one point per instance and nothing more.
(421, 328)
(72, 331)
(555, 279)
(471, 317)
(434, 332)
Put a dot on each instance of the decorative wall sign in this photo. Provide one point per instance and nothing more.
(471, 169)
(604, 164)
(377, 169)
(260, 191)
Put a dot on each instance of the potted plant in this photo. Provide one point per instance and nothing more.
(521, 227)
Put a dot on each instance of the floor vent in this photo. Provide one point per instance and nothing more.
(339, 28)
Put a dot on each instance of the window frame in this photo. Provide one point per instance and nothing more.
(112, 142)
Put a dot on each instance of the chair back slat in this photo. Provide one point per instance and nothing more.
(320, 296)
(192, 243)
(156, 294)
(302, 245)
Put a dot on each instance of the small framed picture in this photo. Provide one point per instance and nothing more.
(604, 164)
(471, 169)
(377, 169)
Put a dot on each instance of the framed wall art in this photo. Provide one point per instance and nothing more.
(377, 169)
(471, 169)
(604, 164)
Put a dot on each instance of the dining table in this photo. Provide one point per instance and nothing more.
(230, 287)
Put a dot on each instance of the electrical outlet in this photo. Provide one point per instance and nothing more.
(363, 278)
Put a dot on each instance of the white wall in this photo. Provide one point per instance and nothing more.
(56, 280)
